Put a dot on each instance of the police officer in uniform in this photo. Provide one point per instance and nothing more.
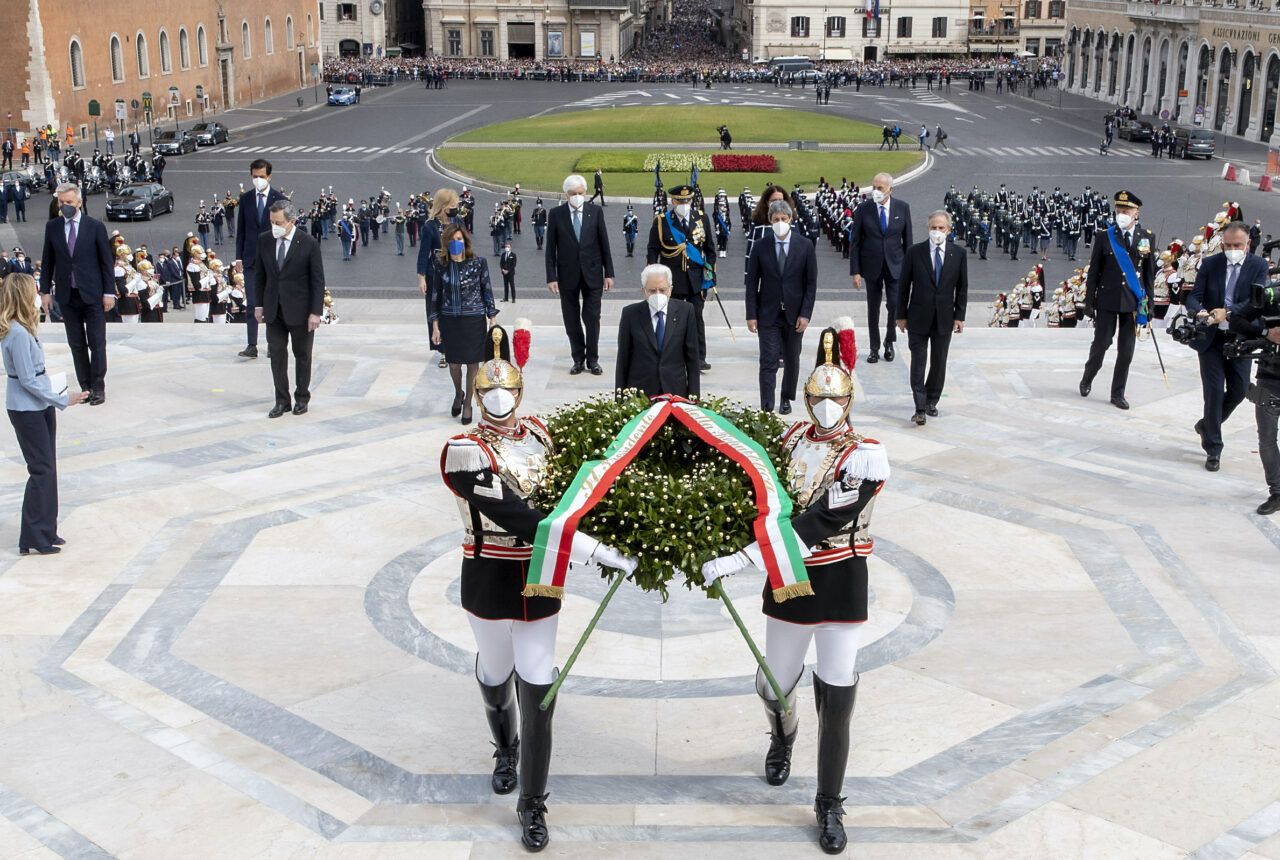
(1111, 300)
(834, 475)
(630, 227)
(493, 470)
(682, 240)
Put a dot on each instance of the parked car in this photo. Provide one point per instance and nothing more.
(139, 200)
(26, 178)
(210, 133)
(174, 143)
(1136, 130)
(342, 96)
(1193, 141)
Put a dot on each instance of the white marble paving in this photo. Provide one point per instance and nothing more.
(252, 645)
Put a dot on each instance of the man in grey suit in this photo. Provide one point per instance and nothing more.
(289, 298)
(658, 340)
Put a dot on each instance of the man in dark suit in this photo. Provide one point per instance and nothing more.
(251, 221)
(1221, 290)
(781, 286)
(931, 305)
(77, 261)
(507, 265)
(658, 341)
(878, 241)
(580, 270)
(1111, 299)
(681, 238)
(289, 298)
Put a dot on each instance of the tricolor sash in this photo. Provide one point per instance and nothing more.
(1130, 275)
(779, 546)
(693, 253)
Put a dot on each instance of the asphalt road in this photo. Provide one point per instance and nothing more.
(384, 142)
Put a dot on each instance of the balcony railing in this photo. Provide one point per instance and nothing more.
(599, 4)
(1172, 12)
(992, 33)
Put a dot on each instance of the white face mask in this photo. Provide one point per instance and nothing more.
(1124, 220)
(261, 185)
(278, 231)
(1235, 255)
(576, 200)
(827, 413)
(682, 209)
(878, 196)
(781, 228)
(937, 237)
(498, 403)
(657, 302)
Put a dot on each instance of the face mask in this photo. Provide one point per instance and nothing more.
(657, 302)
(261, 184)
(576, 200)
(937, 237)
(1124, 220)
(781, 228)
(877, 195)
(278, 231)
(68, 211)
(682, 209)
(1235, 255)
(498, 403)
(457, 246)
(827, 413)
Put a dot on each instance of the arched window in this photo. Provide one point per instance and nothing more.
(144, 65)
(77, 64)
(117, 60)
(311, 39)
(288, 33)
(184, 49)
(246, 49)
(268, 37)
(202, 46)
(166, 57)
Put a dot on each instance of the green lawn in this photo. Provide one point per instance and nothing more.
(547, 170)
(678, 124)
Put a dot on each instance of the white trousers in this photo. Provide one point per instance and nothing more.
(785, 646)
(529, 647)
(201, 311)
(130, 318)
(219, 318)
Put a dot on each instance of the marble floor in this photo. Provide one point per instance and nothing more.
(252, 645)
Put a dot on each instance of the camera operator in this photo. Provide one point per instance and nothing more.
(1221, 290)
(1260, 322)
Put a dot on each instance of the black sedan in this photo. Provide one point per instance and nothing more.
(210, 133)
(139, 200)
(1135, 130)
(20, 177)
(174, 143)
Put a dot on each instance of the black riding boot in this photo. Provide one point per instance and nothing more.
(504, 717)
(782, 731)
(835, 708)
(535, 762)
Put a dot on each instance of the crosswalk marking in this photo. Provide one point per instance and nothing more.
(340, 149)
(418, 149)
(311, 149)
(325, 149)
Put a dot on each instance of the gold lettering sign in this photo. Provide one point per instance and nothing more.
(1240, 34)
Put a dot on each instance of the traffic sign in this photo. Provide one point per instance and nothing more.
(1164, 114)
(1199, 110)
(134, 104)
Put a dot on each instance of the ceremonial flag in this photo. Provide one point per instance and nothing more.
(657, 174)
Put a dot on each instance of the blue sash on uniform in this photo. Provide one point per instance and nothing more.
(693, 253)
(1130, 274)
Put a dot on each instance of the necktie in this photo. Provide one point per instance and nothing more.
(884, 219)
(577, 223)
(937, 265)
(660, 331)
(262, 208)
(71, 250)
(782, 257)
(282, 248)
(1233, 272)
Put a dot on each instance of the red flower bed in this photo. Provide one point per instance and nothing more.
(744, 163)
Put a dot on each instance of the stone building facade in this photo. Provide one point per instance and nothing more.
(556, 30)
(67, 60)
(1207, 65)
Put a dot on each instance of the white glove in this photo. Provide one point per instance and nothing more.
(586, 549)
(725, 565)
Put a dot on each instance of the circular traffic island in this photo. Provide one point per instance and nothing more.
(634, 146)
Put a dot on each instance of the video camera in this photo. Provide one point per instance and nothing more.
(1266, 299)
(1187, 329)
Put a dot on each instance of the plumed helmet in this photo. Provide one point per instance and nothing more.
(197, 251)
(832, 375)
(499, 371)
(123, 251)
(145, 267)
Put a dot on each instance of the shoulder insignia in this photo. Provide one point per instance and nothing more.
(466, 453)
(864, 460)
